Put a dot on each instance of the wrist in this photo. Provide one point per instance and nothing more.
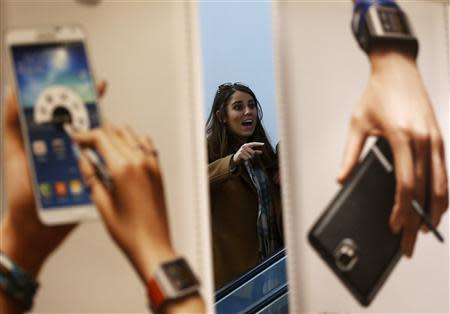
(18, 287)
(147, 259)
(383, 60)
(25, 254)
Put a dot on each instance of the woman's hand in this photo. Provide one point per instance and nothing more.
(25, 239)
(248, 151)
(396, 106)
(135, 210)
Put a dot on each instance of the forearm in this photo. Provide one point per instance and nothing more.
(13, 247)
(219, 170)
(8, 306)
(19, 249)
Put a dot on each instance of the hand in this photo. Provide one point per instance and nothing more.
(135, 211)
(248, 151)
(24, 238)
(396, 105)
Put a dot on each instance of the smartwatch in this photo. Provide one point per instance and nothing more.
(17, 283)
(171, 281)
(382, 23)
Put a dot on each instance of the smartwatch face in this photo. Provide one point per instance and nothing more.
(393, 21)
(180, 274)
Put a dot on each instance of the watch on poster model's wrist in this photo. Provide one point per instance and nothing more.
(383, 24)
(172, 281)
(16, 283)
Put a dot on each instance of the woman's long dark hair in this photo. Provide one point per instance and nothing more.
(221, 141)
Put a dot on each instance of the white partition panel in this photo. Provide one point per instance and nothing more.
(321, 75)
(149, 54)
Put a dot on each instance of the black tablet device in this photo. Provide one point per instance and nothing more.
(353, 236)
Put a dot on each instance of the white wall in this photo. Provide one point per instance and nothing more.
(148, 52)
(321, 75)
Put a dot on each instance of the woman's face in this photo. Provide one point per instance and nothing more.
(242, 115)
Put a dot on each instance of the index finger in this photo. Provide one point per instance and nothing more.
(99, 140)
(253, 144)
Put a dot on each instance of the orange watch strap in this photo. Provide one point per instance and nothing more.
(155, 294)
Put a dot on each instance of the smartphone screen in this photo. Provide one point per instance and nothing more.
(55, 80)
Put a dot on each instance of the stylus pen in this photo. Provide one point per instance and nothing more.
(100, 169)
(426, 220)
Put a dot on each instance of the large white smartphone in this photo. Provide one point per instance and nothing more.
(54, 82)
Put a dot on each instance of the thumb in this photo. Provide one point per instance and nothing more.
(355, 143)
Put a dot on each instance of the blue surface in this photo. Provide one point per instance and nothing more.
(267, 282)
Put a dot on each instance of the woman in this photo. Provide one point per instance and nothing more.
(245, 196)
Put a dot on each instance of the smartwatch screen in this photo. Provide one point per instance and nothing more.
(180, 274)
(392, 21)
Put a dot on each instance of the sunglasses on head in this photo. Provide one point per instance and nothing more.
(228, 85)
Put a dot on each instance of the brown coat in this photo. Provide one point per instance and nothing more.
(234, 209)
